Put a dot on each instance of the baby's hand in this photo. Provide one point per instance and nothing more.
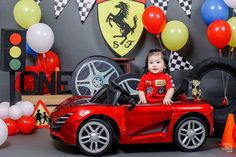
(142, 101)
(167, 101)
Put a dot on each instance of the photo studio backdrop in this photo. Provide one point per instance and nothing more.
(77, 38)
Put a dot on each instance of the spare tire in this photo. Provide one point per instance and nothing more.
(212, 64)
(92, 73)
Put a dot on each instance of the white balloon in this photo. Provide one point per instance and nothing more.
(27, 108)
(19, 103)
(230, 3)
(40, 37)
(3, 132)
(15, 112)
(5, 104)
(4, 112)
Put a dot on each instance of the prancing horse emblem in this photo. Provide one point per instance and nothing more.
(119, 20)
(121, 24)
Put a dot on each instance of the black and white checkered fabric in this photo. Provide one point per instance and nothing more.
(84, 7)
(38, 1)
(59, 5)
(176, 62)
(186, 5)
(163, 4)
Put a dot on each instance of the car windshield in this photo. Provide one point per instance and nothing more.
(106, 95)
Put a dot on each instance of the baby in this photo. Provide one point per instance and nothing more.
(156, 85)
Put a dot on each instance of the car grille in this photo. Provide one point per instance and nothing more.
(58, 123)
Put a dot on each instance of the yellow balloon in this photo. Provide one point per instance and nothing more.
(175, 35)
(232, 23)
(27, 13)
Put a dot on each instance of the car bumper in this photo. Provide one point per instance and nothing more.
(56, 136)
(65, 132)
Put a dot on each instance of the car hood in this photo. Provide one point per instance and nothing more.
(73, 102)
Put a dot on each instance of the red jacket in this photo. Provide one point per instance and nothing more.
(155, 86)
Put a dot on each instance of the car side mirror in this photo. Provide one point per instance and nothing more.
(190, 88)
(132, 102)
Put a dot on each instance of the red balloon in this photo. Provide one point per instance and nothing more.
(234, 134)
(219, 33)
(48, 61)
(26, 124)
(11, 126)
(154, 19)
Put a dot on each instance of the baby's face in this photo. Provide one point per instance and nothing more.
(156, 64)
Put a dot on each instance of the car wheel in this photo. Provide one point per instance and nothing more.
(190, 134)
(92, 73)
(95, 137)
(129, 82)
(221, 111)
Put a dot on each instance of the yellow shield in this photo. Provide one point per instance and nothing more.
(121, 23)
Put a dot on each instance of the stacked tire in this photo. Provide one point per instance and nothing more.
(225, 65)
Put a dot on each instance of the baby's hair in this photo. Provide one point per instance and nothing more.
(156, 51)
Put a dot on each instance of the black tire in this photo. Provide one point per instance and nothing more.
(92, 73)
(129, 82)
(106, 131)
(190, 134)
(211, 64)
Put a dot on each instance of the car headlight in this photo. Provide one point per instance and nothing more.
(83, 112)
(57, 124)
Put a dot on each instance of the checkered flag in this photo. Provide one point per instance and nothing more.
(59, 5)
(176, 62)
(84, 6)
(186, 6)
(163, 4)
(38, 1)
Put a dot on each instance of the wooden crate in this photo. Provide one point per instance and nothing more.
(51, 101)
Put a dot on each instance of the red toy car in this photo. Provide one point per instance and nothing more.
(94, 123)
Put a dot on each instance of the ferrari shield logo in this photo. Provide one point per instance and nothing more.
(121, 23)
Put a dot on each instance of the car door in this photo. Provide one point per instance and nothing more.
(147, 118)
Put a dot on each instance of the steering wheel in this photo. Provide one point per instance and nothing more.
(123, 91)
(129, 100)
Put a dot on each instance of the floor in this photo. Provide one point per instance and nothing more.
(40, 144)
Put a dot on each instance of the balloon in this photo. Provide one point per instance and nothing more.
(154, 19)
(232, 23)
(4, 112)
(48, 61)
(40, 37)
(29, 51)
(5, 104)
(26, 124)
(15, 112)
(19, 103)
(230, 3)
(214, 10)
(27, 108)
(3, 132)
(26, 13)
(11, 125)
(175, 35)
(234, 134)
(219, 33)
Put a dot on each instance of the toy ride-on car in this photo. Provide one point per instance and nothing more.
(93, 124)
